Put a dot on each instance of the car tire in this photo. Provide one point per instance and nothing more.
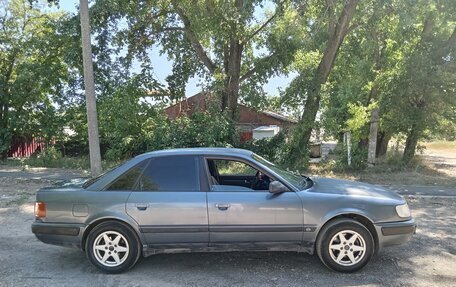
(345, 245)
(112, 247)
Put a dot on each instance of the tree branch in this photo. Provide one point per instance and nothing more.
(199, 49)
(253, 70)
(260, 28)
(451, 42)
(248, 38)
(428, 26)
(166, 29)
(352, 27)
(332, 17)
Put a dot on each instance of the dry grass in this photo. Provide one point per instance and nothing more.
(444, 146)
(423, 172)
(435, 166)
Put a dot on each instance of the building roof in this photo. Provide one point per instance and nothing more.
(247, 115)
(279, 116)
(266, 128)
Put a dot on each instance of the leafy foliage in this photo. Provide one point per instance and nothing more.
(32, 71)
(273, 149)
(395, 56)
(234, 45)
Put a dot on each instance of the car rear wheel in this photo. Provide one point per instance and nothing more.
(112, 247)
(345, 245)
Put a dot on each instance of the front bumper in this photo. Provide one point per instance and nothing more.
(394, 233)
(58, 233)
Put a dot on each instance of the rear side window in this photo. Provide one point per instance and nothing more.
(171, 173)
(128, 180)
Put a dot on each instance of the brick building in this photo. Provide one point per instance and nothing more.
(248, 118)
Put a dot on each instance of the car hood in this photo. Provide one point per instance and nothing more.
(352, 188)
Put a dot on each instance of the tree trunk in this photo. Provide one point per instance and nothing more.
(89, 84)
(232, 65)
(301, 138)
(411, 143)
(371, 151)
(383, 139)
(233, 78)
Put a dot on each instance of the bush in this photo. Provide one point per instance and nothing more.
(201, 129)
(273, 149)
(358, 157)
(49, 156)
(52, 157)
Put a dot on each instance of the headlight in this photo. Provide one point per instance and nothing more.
(403, 210)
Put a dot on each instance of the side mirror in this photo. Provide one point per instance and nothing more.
(277, 187)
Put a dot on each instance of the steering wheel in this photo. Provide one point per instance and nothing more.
(260, 182)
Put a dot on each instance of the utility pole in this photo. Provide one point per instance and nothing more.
(89, 84)
(371, 152)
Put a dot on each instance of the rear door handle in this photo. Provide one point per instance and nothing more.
(142, 206)
(222, 206)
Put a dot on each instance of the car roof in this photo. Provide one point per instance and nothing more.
(219, 151)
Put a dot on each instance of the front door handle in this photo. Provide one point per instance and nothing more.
(222, 206)
(142, 206)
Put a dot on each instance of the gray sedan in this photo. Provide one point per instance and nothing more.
(217, 199)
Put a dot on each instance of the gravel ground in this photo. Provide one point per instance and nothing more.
(428, 260)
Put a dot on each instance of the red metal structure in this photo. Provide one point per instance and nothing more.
(22, 146)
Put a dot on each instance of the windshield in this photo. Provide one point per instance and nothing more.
(297, 180)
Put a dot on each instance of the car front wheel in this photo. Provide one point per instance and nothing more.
(112, 247)
(345, 245)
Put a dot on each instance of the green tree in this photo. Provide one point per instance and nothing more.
(391, 70)
(429, 79)
(237, 45)
(329, 24)
(365, 72)
(32, 70)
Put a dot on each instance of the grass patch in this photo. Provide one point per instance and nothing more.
(448, 146)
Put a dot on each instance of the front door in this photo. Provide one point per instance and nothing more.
(241, 210)
(168, 205)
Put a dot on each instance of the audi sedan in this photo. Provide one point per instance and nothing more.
(218, 199)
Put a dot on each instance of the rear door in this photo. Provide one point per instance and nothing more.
(168, 203)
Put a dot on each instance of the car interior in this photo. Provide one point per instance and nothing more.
(226, 175)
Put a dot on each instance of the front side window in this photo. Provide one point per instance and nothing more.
(234, 175)
(234, 168)
(170, 173)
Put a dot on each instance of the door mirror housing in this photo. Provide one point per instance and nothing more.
(277, 187)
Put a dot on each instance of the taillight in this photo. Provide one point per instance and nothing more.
(40, 209)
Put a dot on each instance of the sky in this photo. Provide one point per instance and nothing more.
(162, 66)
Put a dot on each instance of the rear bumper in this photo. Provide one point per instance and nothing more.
(394, 233)
(58, 233)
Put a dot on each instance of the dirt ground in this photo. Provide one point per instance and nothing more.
(441, 157)
(428, 260)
